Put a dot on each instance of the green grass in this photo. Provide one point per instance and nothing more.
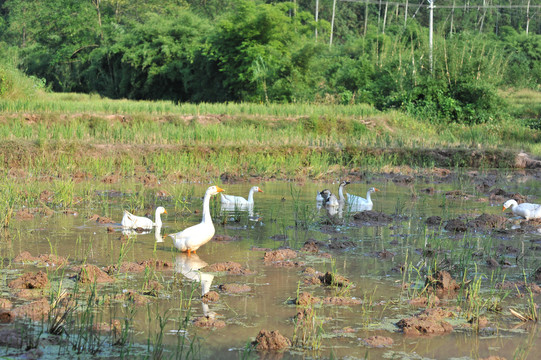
(61, 134)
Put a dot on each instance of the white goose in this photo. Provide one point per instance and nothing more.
(131, 221)
(198, 235)
(231, 200)
(526, 210)
(321, 198)
(355, 200)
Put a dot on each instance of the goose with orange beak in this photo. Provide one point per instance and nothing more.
(355, 200)
(192, 238)
(525, 210)
(130, 221)
(231, 200)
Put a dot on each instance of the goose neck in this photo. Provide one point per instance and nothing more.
(368, 196)
(206, 209)
(157, 219)
(341, 193)
(251, 196)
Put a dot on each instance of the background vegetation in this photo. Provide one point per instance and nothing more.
(268, 51)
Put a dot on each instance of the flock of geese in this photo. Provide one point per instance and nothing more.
(193, 237)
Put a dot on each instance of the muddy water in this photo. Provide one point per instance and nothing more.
(287, 215)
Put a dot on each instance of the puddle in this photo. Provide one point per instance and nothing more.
(384, 255)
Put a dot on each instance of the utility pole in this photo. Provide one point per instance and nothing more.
(332, 21)
(317, 15)
(431, 35)
(528, 18)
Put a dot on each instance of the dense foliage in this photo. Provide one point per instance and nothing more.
(268, 51)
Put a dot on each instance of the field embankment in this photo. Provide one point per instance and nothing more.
(65, 135)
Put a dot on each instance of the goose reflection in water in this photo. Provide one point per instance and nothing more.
(190, 266)
(233, 210)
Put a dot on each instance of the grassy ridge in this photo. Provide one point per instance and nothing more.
(63, 134)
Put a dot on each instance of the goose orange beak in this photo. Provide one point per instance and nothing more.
(165, 211)
(259, 190)
(376, 189)
(504, 208)
(219, 189)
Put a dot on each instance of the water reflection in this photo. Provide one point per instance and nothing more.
(189, 265)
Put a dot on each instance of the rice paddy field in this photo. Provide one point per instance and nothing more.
(433, 269)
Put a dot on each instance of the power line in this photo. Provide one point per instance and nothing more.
(464, 6)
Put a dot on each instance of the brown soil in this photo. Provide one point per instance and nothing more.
(442, 281)
(43, 259)
(207, 322)
(433, 221)
(37, 280)
(334, 280)
(428, 322)
(457, 195)
(230, 267)
(91, 273)
(235, 288)
(5, 304)
(6, 316)
(455, 225)
(133, 297)
(271, 340)
(152, 288)
(148, 179)
(310, 247)
(126, 267)
(211, 296)
(372, 218)
(24, 214)
(424, 301)
(341, 301)
(385, 254)
(110, 179)
(46, 196)
(157, 264)
(113, 327)
(339, 245)
(101, 219)
(280, 258)
(36, 310)
(379, 341)
(499, 195)
(306, 299)
(486, 222)
(226, 238)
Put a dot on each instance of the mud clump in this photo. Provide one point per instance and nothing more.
(235, 288)
(91, 273)
(457, 195)
(5, 304)
(133, 297)
(339, 245)
(271, 340)
(442, 281)
(521, 286)
(44, 259)
(341, 301)
(36, 310)
(226, 238)
(114, 327)
(431, 300)
(37, 280)
(148, 179)
(24, 214)
(5, 316)
(385, 254)
(433, 221)
(230, 267)
(332, 279)
(101, 219)
(428, 322)
(310, 247)
(306, 299)
(456, 225)
(211, 296)
(372, 217)
(157, 264)
(208, 322)
(110, 179)
(281, 258)
(500, 195)
(126, 267)
(378, 341)
(486, 221)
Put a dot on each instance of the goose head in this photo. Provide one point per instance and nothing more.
(344, 183)
(213, 190)
(256, 189)
(509, 204)
(161, 210)
(373, 189)
(325, 194)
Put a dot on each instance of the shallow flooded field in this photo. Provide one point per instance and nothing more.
(349, 277)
